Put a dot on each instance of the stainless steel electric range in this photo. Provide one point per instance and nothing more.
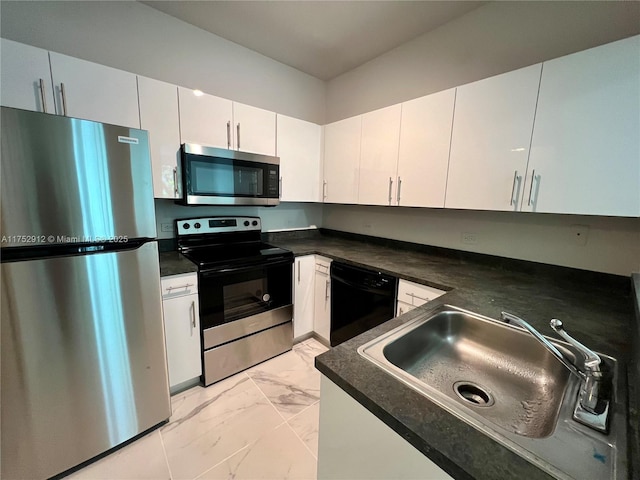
(244, 293)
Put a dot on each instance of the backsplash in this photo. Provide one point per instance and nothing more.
(286, 216)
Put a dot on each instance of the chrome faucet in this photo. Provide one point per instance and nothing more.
(591, 377)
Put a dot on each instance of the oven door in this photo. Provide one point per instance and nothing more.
(241, 301)
(214, 176)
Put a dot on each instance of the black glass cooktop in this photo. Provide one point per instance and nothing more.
(233, 255)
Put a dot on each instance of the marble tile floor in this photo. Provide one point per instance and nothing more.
(259, 424)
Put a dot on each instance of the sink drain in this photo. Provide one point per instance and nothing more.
(473, 394)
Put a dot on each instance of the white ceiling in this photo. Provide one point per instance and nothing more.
(321, 38)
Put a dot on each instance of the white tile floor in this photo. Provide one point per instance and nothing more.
(261, 423)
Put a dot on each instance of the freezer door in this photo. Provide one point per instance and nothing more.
(83, 358)
(66, 180)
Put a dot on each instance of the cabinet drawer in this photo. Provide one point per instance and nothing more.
(323, 264)
(179, 285)
(415, 294)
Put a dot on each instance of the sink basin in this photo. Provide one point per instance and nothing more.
(498, 371)
(502, 381)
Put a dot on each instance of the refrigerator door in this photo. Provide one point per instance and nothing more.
(66, 180)
(83, 358)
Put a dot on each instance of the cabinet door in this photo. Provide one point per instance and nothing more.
(342, 160)
(25, 77)
(402, 308)
(492, 127)
(379, 156)
(94, 92)
(299, 149)
(182, 329)
(303, 306)
(322, 302)
(585, 153)
(205, 119)
(425, 137)
(159, 115)
(254, 129)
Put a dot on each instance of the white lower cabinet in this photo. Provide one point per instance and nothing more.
(353, 443)
(182, 328)
(322, 298)
(412, 295)
(303, 292)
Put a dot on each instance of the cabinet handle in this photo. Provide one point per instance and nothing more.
(193, 313)
(513, 186)
(326, 289)
(42, 96)
(238, 136)
(175, 182)
(324, 189)
(413, 295)
(229, 135)
(533, 177)
(186, 285)
(390, 185)
(399, 186)
(64, 99)
(401, 311)
(298, 271)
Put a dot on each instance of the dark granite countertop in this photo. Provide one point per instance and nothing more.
(596, 308)
(174, 263)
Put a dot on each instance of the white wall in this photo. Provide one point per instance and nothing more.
(137, 38)
(612, 246)
(493, 39)
(286, 216)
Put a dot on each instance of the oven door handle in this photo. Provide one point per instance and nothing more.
(245, 268)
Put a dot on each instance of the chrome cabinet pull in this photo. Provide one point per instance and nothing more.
(324, 189)
(399, 186)
(533, 177)
(326, 289)
(175, 182)
(238, 136)
(298, 271)
(64, 99)
(413, 295)
(229, 135)
(390, 186)
(513, 186)
(42, 96)
(193, 313)
(186, 285)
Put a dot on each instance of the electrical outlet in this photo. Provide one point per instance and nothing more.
(579, 234)
(166, 227)
(469, 238)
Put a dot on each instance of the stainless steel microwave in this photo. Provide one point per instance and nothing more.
(215, 176)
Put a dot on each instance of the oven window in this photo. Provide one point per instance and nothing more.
(226, 177)
(226, 297)
(245, 299)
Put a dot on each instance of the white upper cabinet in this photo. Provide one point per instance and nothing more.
(379, 156)
(341, 160)
(205, 119)
(25, 77)
(94, 92)
(585, 154)
(159, 115)
(299, 148)
(492, 127)
(254, 129)
(423, 160)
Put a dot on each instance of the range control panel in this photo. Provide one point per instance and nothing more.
(199, 226)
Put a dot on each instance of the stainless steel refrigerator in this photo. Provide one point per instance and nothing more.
(83, 352)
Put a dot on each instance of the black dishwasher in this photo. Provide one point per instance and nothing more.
(360, 300)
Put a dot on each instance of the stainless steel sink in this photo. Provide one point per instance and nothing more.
(499, 379)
